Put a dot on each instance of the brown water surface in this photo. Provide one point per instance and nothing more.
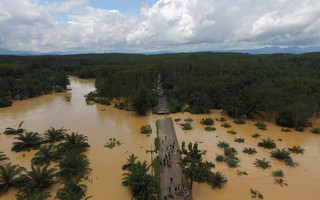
(100, 123)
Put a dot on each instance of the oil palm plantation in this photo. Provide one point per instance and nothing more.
(9, 176)
(74, 141)
(46, 154)
(27, 141)
(54, 135)
(74, 164)
(12, 131)
(72, 188)
(38, 178)
(3, 156)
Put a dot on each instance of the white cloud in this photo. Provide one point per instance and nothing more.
(176, 25)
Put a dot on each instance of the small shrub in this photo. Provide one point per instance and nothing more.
(239, 121)
(239, 172)
(223, 144)
(285, 130)
(256, 135)
(230, 152)
(186, 126)
(269, 144)
(217, 179)
(256, 194)
(177, 120)
(226, 125)
(209, 128)
(220, 158)
(146, 129)
(207, 121)
(296, 149)
(232, 132)
(249, 150)
(290, 162)
(299, 129)
(113, 142)
(68, 97)
(262, 163)
(261, 125)
(188, 120)
(304, 123)
(280, 154)
(59, 89)
(316, 130)
(278, 173)
(232, 161)
(239, 140)
(222, 119)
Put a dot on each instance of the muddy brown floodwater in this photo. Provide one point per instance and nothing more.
(100, 123)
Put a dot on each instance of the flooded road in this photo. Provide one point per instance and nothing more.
(100, 123)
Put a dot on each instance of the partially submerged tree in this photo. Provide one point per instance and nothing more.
(33, 195)
(3, 156)
(46, 154)
(72, 188)
(74, 164)
(27, 141)
(12, 131)
(142, 185)
(54, 135)
(38, 178)
(195, 168)
(74, 141)
(9, 176)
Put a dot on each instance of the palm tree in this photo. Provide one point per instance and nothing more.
(72, 188)
(217, 179)
(142, 185)
(9, 176)
(46, 154)
(3, 156)
(33, 195)
(38, 178)
(74, 164)
(12, 131)
(31, 140)
(130, 162)
(74, 141)
(53, 135)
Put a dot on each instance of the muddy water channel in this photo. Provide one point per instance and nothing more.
(100, 123)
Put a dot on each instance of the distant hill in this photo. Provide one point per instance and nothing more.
(265, 50)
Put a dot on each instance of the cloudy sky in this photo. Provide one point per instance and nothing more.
(157, 25)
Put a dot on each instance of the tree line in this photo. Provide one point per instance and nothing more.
(280, 86)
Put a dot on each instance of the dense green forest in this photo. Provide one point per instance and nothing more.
(283, 86)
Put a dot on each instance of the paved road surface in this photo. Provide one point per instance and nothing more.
(168, 136)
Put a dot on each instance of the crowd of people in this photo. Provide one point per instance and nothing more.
(176, 184)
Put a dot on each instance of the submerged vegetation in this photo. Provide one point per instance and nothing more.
(207, 121)
(113, 142)
(267, 143)
(262, 163)
(249, 150)
(186, 126)
(146, 129)
(261, 125)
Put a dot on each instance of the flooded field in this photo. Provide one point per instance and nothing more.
(100, 123)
